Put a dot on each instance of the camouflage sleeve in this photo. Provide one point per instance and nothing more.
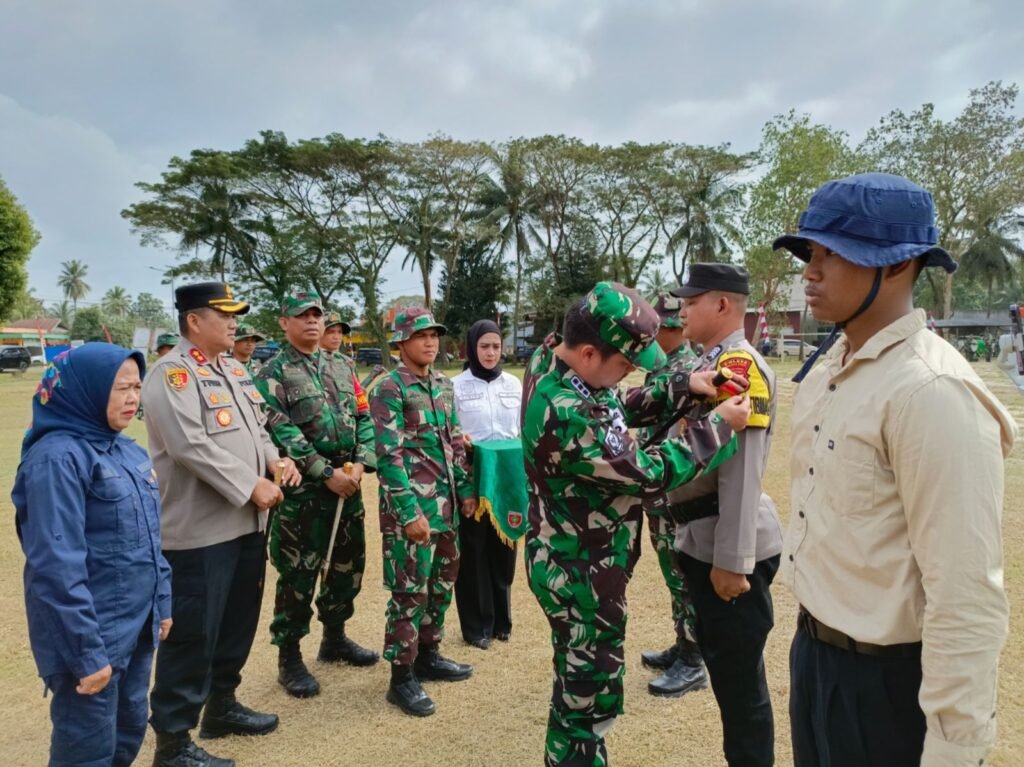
(463, 477)
(649, 405)
(365, 442)
(612, 459)
(388, 421)
(286, 434)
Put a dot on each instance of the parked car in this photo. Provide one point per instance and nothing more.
(369, 355)
(791, 348)
(523, 353)
(15, 359)
(38, 355)
(265, 352)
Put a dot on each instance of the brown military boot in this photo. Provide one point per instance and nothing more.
(292, 673)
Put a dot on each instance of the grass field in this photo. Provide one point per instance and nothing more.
(497, 717)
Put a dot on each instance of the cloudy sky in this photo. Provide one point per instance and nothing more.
(95, 96)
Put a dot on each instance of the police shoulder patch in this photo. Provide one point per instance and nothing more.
(177, 378)
(742, 363)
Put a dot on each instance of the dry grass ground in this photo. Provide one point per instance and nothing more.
(498, 717)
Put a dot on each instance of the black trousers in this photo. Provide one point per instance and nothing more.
(483, 590)
(216, 595)
(731, 636)
(850, 710)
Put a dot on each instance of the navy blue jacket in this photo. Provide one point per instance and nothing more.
(88, 517)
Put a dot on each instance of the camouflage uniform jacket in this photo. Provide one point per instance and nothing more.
(587, 475)
(421, 459)
(684, 359)
(316, 410)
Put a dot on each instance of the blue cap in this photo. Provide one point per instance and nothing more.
(871, 219)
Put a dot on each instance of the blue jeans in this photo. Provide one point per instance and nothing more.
(106, 728)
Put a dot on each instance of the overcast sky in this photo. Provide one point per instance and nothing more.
(95, 96)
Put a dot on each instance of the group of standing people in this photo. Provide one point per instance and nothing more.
(893, 551)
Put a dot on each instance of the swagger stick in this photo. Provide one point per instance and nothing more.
(347, 468)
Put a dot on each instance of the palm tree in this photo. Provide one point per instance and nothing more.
(988, 259)
(116, 301)
(61, 312)
(217, 223)
(72, 282)
(656, 283)
(709, 226)
(511, 205)
(424, 239)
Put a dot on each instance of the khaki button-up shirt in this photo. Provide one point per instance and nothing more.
(897, 491)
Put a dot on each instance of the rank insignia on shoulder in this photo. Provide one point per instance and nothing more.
(237, 372)
(177, 378)
(203, 371)
(714, 353)
(224, 417)
(198, 356)
(581, 388)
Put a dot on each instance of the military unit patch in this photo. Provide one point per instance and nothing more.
(177, 378)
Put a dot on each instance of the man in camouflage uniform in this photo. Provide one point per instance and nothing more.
(423, 479)
(318, 414)
(587, 480)
(684, 669)
(246, 339)
(165, 342)
(335, 330)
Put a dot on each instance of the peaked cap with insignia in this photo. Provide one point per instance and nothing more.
(208, 295)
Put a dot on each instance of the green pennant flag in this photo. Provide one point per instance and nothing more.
(500, 481)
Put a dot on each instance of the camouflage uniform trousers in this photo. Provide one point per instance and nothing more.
(420, 578)
(663, 536)
(300, 532)
(587, 615)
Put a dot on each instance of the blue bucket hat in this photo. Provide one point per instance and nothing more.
(871, 219)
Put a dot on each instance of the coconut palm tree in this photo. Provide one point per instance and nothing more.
(655, 283)
(117, 302)
(61, 312)
(72, 282)
(990, 258)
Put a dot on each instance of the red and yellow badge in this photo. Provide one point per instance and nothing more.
(177, 378)
(224, 417)
(742, 363)
(198, 356)
(362, 402)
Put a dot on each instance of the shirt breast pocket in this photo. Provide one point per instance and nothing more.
(509, 400)
(112, 512)
(849, 480)
(470, 401)
(220, 418)
(305, 402)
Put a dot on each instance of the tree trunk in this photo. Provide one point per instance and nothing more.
(517, 306)
(947, 297)
(425, 272)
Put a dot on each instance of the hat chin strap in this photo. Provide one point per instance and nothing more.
(832, 337)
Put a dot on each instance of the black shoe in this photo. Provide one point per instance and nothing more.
(482, 643)
(660, 660)
(292, 673)
(226, 716)
(406, 693)
(502, 636)
(686, 674)
(178, 750)
(339, 647)
(432, 666)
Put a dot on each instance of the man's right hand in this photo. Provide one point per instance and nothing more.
(94, 683)
(418, 530)
(735, 411)
(342, 484)
(266, 494)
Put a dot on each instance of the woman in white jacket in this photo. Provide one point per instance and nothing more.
(488, 401)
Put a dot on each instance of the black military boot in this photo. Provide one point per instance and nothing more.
(406, 693)
(224, 715)
(660, 660)
(178, 750)
(686, 674)
(292, 673)
(337, 647)
(432, 666)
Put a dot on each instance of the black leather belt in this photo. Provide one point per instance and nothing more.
(694, 509)
(830, 636)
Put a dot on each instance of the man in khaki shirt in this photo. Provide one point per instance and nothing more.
(894, 549)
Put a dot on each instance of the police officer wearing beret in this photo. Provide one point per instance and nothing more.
(213, 457)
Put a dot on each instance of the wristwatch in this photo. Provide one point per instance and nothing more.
(327, 473)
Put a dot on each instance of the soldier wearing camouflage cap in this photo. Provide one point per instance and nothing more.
(165, 342)
(246, 339)
(587, 480)
(335, 330)
(319, 415)
(423, 481)
(683, 657)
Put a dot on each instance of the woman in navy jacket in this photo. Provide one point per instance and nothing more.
(97, 588)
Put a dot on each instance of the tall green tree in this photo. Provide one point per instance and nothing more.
(62, 313)
(27, 306)
(475, 289)
(972, 164)
(72, 282)
(92, 324)
(994, 255)
(17, 239)
(116, 302)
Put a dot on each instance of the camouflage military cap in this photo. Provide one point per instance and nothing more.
(299, 301)
(413, 321)
(167, 339)
(333, 318)
(626, 322)
(668, 307)
(245, 330)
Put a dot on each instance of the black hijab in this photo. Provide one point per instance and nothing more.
(478, 330)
